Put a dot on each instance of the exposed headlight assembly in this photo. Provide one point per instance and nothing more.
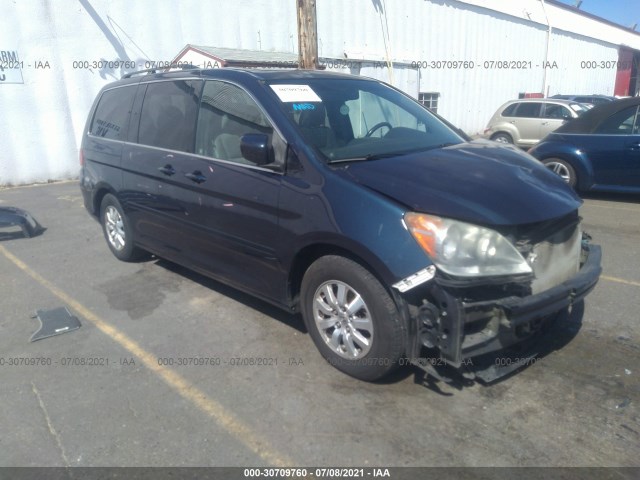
(463, 249)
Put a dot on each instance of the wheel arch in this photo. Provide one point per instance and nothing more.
(503, 131)
(308, 254)
(100, 191)
(584, 173)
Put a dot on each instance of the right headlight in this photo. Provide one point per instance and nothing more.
(463, 249)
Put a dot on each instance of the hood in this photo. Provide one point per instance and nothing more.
(478, 182)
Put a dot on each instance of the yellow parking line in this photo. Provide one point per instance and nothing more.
(620, 280)
(223, 417)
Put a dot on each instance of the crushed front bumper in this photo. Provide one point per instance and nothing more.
(16, 217)
(460, 329)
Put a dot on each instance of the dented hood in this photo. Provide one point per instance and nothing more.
(478, 182)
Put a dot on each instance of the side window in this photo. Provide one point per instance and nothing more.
(168, 115)
(529, 110)
(226, 114)
(111, 119)
(552, 110)
(510, 110)
(621, 123)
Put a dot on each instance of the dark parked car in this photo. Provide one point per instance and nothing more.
(344, 199)
(598, 151)
(588, 99)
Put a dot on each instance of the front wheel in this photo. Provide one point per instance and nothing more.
(563, 168)
(351, 318)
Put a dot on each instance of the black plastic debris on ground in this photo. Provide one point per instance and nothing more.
(16, 217)
(54, 322)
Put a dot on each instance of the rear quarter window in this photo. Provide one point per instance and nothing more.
(111, 119)
(509, 111)
(621, 123)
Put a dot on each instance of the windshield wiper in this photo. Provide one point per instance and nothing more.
(377, 156)
(371, 156)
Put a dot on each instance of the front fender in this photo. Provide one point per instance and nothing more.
(353, 218)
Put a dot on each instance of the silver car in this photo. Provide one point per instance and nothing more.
(525, 122)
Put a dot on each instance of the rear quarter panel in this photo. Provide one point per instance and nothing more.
(565, 149)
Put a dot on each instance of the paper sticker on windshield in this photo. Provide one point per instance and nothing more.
(295, 93)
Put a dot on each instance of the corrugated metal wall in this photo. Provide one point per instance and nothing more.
(574, 55)
(42, 119)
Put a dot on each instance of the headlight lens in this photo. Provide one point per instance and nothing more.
(463, 249)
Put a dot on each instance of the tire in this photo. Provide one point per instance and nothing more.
(366, 343)
(502, 138)
(563, 168)
(117, 230)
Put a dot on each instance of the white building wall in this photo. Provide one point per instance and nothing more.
(43, 117)
(575, 55)
(563, 18)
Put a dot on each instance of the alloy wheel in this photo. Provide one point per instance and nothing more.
(343, 319)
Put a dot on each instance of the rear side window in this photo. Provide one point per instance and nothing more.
(529, 110)
(168, 116)
(111, 119)
(622, 123)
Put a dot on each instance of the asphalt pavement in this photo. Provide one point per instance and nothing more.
(171, 368)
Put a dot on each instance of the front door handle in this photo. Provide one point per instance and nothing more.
(196, 176)
(634, 146)
(167, 170)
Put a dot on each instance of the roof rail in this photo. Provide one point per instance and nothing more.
(181, 66)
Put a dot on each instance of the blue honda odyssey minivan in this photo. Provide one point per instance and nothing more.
(397, 239)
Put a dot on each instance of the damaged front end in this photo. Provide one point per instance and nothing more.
(471, 322)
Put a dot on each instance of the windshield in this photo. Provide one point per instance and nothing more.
(353, 119)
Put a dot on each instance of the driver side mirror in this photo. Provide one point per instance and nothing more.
(255, 148)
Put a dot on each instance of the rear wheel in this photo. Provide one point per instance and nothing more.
(117, 230)
(351, 318)
(502, 138)
(563, 168)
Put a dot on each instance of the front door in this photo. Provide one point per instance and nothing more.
(232, 203)
(553, 116)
